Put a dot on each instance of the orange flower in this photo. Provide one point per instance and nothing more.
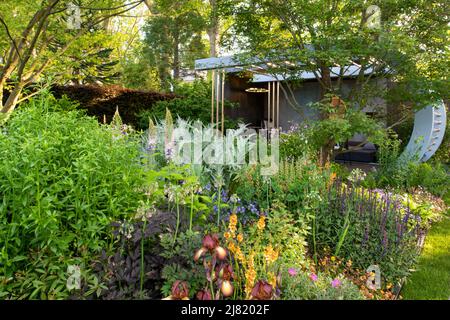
(240, 237)
(232, 247)
(227, 235)
(240, 255)
(250, 274)
(270, 254)
(272, 279)
(332, 178)
(261, 223)
(233, 223)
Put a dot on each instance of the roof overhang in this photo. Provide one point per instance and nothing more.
(259, 68)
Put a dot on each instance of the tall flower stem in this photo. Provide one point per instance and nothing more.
(192, 210)
(314, 236)
(178, 220)
(219, 194)
(142, 259)
(211, 283)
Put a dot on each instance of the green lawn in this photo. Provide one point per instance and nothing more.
(432, 278)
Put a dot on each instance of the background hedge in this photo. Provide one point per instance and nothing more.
(100, 101)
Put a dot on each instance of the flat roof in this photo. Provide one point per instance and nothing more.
(234, 64)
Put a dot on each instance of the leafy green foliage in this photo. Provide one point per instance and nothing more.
(406, 46)
(370, 228)
(97, 64)
(180, 263)
(399, 173)
(296, 184)
(38, 41)
(294, 143)
(103, 101)
(434, 177)
(173, 38)
(193, 102)
(301, 287)
(63, 180)
(341, 129)
(139, 75)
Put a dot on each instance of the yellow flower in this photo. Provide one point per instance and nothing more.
(227, 235)
(240, 237)
(239, 255)
(233, 223)
(232, 247)
(333, 258)
(261, 223)
(349, 263)
(270, 254)
(272, 279)
(250, 275)
(332, 178)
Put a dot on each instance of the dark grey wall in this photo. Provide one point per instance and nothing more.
(253, 106)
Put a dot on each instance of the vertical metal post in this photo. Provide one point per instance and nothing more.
(268, 106)
(278, 104)
(213, 75)
(223, 100)
(217, 99)
(273, 103)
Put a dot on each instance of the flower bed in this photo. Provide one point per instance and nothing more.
(106, 204)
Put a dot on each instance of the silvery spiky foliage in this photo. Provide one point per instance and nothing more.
(206, 149)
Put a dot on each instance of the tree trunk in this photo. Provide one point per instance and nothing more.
(326, 80)
(11, 102)
(327, 150)
(4, 76)
(176, 55)
(213, 30)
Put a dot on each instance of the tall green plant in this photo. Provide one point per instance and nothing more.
(63, 179)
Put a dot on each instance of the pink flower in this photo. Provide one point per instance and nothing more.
(313, 277)
(336, 283)
(292, 272)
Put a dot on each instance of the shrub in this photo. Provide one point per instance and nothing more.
(63, 179)
(102, 101)
(154, 247)
(179, 263)
(340, 128)
(309, 286)
(369, 227)
(398, 172)
(432, 177)
(294, 143)
(260, 248)
(193, 102)
(295, 184)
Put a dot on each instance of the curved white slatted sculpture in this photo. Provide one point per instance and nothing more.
(428, 133)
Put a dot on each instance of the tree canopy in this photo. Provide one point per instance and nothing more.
(408, 45)
(37, 40)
